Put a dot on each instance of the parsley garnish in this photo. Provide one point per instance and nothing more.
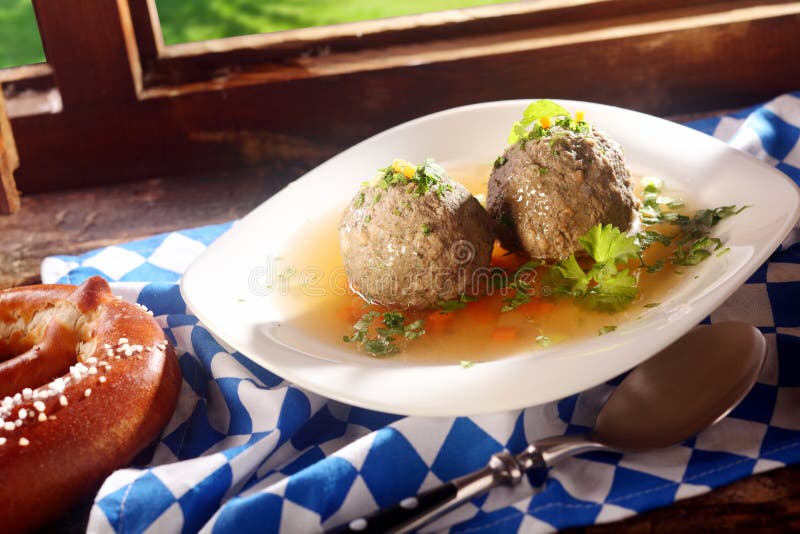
(522, 288)
(429, 176)
(426, 229)
(535, 111)
(359, 200)
(579, 127)
(606, 330)
(447, 306)
(499, 162)
(385, 342)
(693, 243)
(652, 305)
(604, 286)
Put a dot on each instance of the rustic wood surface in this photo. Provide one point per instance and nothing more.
(76, 221)
(672, 56)
(92, 49)
(9, 161)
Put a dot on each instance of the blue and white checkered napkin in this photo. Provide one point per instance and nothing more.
(247, 451)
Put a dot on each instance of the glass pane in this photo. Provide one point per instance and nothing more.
(196, 20)
(19, 34)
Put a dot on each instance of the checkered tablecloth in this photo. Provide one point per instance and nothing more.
(247, 451)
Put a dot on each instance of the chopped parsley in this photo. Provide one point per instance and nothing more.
(535, 111)
(359, 200)
(576, 126)
(652, 305)
(693, 243)
(606, 330)
(384, 343)
(604, 285)
(544, 170)
(367, 219)
(521, 287)
(426, 229)
(538, 117)
(499, 162)
(447, 306)
(429, 176)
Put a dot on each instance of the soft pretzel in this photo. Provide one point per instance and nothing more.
(86, 382)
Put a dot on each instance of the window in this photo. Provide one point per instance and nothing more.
(197, 20)
(122, 105)
(19, 36)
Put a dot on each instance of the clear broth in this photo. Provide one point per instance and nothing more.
(325, 309)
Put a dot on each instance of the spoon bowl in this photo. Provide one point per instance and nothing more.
(683, 389)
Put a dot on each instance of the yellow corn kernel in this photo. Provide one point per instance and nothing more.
(402, 166)
(545, 122)
(579, 116)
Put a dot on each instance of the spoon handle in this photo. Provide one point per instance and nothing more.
(503, 469)
(411, 513)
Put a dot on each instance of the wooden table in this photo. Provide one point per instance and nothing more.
(76, 221)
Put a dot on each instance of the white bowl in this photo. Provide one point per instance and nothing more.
(713, 173)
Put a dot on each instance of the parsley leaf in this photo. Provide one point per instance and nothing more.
(447, 306)
(603, 286)
(384, 343)
(522, 288)
(535, 111)
(429, 176)
(608, 244)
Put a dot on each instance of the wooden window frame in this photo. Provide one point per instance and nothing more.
(117, 104)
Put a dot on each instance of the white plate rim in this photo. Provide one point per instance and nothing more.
(492, 376)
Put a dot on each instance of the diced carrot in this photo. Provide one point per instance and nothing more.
(402, 166)
(504, 334)
(546, 306)
(545, 122)
(437, 322)
(480, 311)
(345, 313)
(505, 259)
(579, 116)
(537, 306)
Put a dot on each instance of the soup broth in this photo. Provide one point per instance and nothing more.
(324, 307)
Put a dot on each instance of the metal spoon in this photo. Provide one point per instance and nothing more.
(683, 389)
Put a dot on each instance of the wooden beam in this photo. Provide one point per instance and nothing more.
(147, 27)
(9, 161)
(302, 112)
(91, 48)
